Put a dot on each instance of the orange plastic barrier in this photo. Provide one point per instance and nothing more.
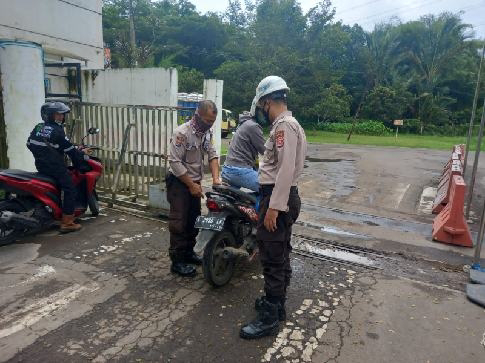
(444, 187)
(450, 225)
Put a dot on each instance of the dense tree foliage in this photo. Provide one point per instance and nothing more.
(423, 70)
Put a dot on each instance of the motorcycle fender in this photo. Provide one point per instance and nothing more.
(203, 238)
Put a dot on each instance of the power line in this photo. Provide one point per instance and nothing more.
(368, 19)
(358, 6)
(397, 10)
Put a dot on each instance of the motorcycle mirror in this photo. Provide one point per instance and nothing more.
(93, 131)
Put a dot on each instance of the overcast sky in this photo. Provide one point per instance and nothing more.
(368, 12)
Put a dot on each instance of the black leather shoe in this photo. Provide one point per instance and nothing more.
(266, 324)
(258, 305)
(193, 259)
(183, 269)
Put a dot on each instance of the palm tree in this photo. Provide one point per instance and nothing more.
(428, 48)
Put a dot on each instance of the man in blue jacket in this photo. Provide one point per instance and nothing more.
(48, 143)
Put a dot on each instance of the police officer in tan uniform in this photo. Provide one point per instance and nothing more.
(189, 143)
(279, 172)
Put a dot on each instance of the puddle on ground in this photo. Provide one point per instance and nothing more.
(334, 230)
(318, 160)
(341, 255)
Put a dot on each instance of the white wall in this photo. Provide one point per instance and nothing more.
(70, 28)
(213, 91)
(22, 82)
(131, 86)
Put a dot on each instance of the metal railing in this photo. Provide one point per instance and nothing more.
(133, 142)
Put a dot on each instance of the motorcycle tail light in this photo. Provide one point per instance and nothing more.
(212, 205)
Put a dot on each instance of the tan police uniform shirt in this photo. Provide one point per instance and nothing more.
(283, 159)
(187, 149)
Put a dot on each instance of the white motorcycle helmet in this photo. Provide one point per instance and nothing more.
(268, 85)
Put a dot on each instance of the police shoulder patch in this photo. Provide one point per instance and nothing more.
(280, 138)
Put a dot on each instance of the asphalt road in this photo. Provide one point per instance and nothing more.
(106, 292)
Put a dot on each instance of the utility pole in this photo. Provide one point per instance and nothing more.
(475, 164)
(134, 61)
(474, 109)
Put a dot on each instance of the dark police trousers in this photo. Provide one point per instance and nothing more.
(184, 210)
(275, 247)
(61, 174)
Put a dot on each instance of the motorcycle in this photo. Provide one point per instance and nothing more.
(227, 233)
(33, 200)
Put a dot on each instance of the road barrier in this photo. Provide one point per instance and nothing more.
(454, 166)
(444, 187)
(450, 225)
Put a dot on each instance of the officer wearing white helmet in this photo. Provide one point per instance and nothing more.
(279, 172)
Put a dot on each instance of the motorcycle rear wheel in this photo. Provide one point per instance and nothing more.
(217, 270)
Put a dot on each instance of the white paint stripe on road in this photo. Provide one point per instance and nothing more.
(400, 192)
(43, 307)
(42, 271)
(427, 200)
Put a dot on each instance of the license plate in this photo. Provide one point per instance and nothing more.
(212, 223)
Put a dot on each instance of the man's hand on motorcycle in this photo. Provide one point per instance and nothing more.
(216, 181)
(196, 190)
(270, 219)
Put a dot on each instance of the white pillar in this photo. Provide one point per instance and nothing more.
(22, 82)
(213, 91)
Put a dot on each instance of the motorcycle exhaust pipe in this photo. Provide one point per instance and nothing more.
(18, 220)
(231, 252)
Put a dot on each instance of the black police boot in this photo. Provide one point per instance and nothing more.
(258, 304)
(193, 259)
(183, 269)
(266, 324)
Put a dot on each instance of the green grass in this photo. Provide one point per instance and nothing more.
(404, 140)
(224, 150)
(410, 141)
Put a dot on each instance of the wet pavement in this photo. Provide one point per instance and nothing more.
(368, 287)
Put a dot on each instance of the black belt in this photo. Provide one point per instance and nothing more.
(268, 189)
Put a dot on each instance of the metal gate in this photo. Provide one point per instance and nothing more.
(133, 142)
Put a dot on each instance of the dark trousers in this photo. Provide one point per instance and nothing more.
(61, 174)
(184, 210)
(275, 247)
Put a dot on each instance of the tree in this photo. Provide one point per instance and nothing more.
(334, 104)
(385, 104)
(430, 47)
(423, 69)
(190, 80)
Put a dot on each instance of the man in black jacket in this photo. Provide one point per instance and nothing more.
(48, 143)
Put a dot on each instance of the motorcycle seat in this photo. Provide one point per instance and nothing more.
(239, 194)
(26, 175)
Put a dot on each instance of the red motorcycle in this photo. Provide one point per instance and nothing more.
(33, 201)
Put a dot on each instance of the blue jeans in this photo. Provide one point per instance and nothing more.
(241, 178)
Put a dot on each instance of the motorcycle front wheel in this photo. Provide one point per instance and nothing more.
(93, 203)
(8, 234)
(218, 270)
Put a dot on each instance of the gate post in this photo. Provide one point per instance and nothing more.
(22, 80)
(213, 91)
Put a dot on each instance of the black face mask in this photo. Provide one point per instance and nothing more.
(262, 116)
(199, 125)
